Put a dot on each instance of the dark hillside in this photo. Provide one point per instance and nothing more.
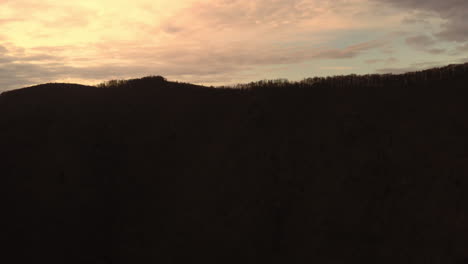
(349, 169)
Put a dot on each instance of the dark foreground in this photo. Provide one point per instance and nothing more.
(346, 170)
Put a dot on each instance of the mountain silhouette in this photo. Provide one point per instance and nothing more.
(344, 169)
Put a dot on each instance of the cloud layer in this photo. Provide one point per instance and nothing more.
(222, 41)
(453, 12)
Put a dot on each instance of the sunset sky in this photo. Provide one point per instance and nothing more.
(216, 42)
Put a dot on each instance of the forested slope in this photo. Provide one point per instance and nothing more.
(368, 169)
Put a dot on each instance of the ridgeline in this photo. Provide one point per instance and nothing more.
(345, 169)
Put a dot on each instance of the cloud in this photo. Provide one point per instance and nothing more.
(235, 13)
(352, 51)
(212, 64)
(209, 41)
(337, 68)
(44, 13)
(453, 12)
(418, 66)
(462, 49)
(212, 40)
(372, 61)
(37, 66)
(387, 61)
(424, 42)
(420, 41)
(3, 49)
(436, 51)
(16, 75)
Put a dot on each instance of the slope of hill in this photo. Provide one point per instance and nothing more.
(369, 169)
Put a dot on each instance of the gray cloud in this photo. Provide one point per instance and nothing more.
(387, 61)
(16, 75)
(351, 51)
(452, 11)
(418, 66)
(372, 61)
(20, 70)
(421, 41)
(424, 42)
(436, 51)
(461, 49)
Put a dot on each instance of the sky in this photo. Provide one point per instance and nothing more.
(222, 42)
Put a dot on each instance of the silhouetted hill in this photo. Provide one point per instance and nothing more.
(349, 169)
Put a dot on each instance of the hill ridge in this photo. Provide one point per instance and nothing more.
(329, 170)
